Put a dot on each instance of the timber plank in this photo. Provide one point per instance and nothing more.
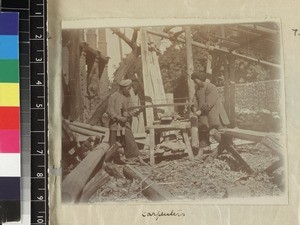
(74, 183)
(94, 184)
(151, 190)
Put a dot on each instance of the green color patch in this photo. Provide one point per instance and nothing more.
(9, 71)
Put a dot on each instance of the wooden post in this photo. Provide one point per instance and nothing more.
(148, 90)
(76, 101)
(188, 144)
(232, 91)
(226, 85)
(190, 62)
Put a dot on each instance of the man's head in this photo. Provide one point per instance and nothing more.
(199, 78)
(125, 86)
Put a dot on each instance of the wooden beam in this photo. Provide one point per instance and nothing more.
(226, 143)
(273, 144)
(272, 141)
(187, 144)
(150, 189)
(226, 85)
(211, 48)
(232, 92)
(190, 62)
(158, 105)
(74, 84)
(74, 183)
(94, 184)
(148, 89)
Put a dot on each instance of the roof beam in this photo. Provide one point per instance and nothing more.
(211, 48)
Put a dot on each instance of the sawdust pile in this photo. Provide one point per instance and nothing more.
(217, 179)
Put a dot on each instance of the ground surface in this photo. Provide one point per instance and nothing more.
(198, 179)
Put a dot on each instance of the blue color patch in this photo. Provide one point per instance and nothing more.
(9, 47)
(9, 23)
(10, 188)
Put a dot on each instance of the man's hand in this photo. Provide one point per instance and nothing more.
(122, 119)
(193, 109)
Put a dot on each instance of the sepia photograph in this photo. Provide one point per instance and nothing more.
(184, 113)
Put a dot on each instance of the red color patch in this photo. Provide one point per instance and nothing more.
(9, 118)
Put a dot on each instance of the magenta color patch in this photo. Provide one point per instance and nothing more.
(9, 141)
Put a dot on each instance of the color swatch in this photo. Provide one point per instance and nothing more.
(10, 154)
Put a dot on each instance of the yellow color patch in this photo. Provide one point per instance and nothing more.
(9, 94)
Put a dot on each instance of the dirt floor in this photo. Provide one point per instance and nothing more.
(199, 179)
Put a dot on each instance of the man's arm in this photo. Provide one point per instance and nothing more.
(194, 106)
(110, 108)
(211, 96)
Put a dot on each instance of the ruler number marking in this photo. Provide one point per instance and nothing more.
(40, 151)
(38, 36)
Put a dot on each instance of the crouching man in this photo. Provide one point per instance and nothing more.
(119, 124)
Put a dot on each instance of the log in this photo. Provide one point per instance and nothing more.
(94, 184)
(85, 131)
(151, 190)
(74, 183)
(245, 134)
(90, 130)
(89, 127)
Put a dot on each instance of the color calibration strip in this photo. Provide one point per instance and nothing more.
(10, 154)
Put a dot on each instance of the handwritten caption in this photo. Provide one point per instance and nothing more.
(160, 214)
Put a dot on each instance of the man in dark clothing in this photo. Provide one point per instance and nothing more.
(119, 122)
(208, 107)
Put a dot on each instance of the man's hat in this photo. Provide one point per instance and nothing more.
(125, 83)
(199, 75)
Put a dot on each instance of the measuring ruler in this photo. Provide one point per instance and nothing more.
(38, 108)
(33, 83)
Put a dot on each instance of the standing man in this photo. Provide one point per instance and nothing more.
(208, 107)
(119, 124)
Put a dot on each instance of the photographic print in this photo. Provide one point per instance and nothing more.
(184, 113)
